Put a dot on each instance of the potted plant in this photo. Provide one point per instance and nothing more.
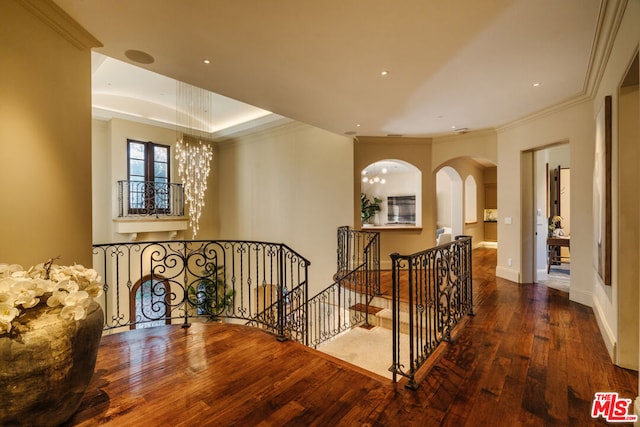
(50, 330)
(210, 296)
(368, 207)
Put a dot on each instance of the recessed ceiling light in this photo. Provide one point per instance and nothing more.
(206, 61)
(358, 125)
(536, 84)
(384, 73)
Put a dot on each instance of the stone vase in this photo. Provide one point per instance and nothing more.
(46, 364)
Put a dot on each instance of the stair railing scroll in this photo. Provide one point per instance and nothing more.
(435, 287)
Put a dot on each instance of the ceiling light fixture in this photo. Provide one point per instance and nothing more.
(206, 61)
(384, 73)
(194, 108)
(373, 177)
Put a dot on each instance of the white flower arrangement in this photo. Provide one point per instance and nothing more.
(70, 287)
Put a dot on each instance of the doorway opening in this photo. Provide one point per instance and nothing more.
(550, 234)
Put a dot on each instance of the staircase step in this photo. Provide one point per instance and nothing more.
(363, 308)
(385, 320)
(386, 302)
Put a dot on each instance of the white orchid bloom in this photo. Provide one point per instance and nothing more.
(72, 287)
(75, 305)
(7, 313)
(57, 298)
(26, 293)
(8, 269)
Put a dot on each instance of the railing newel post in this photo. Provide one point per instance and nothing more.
(367, 288)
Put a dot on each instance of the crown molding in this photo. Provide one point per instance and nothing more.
(56, 18)
(477, 133)
(609, 21)
(572, 102)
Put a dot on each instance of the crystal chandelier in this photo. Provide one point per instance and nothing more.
(194, 108)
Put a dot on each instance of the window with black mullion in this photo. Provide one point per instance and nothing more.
(148, 175)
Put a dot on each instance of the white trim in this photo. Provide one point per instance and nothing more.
(607, 334)
(580, 296)
(508, 273)
(490, 245)
(61, 22)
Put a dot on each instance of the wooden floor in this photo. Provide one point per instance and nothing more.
(528, 357)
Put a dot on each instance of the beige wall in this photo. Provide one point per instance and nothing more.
(573, 124)
(45, 129)
(612, 303)
(290, 184)
(416, 151)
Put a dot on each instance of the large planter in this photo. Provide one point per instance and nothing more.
(46, 364)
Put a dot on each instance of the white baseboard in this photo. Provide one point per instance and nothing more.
(508, 273)
(581, 297)
(491, 245)
(607, 334)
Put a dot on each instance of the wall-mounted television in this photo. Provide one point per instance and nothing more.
(401, 209)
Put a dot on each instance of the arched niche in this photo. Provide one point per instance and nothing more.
(470, 200)
(398, 186)
(449, 200)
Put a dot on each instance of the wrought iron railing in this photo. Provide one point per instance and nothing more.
(435, 286)
(151, 283)
(261, 284)
(150, 198)
(345, 303)
(356, 247)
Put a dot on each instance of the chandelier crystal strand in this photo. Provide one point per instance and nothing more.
(194, 115)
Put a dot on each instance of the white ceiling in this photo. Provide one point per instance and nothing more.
(123, 90)
(463, 63)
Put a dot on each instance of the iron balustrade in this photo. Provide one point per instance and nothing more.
(357, 247)
(344, 304)
(150, 198)
(258, 283)
(340, 307)
(435, 288)
(148, 283)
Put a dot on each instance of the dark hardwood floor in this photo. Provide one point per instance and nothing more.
(528, 357)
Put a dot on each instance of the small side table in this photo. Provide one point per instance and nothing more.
(554, 244)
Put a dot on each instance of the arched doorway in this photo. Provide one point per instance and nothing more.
(149, 302)
(449, 197)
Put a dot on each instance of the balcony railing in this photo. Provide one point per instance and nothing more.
(150, 198)
(154, 283)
